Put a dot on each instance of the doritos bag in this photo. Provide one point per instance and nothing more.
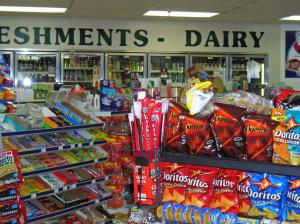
(258, 132)
(175, 179)
(199, 136)
(199, 188)
(293, 199)
(225, 195)
(229, 130)
(243, 187)
(174, 133)
(267, 195)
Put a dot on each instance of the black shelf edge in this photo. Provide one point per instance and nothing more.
(59, 148)
(226, 163)
(48, 130)
(47, 170)
(67, 210)
(65, 188)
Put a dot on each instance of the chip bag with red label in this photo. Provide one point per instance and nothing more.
(225, 195)
(293, 199)
(199, 136)
(267, 195)
(259, 137)
(175, 179)
(229, 130)
(243, 186)
(174, 133)
(199, 188)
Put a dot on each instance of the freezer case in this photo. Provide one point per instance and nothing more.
(8, 60)
(38, 71)
(82, 68)
(125, 69)
(249, 73)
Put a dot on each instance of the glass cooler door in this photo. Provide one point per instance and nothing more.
(125, 68)
(82, 68)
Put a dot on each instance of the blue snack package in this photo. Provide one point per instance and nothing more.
(4, 69)
(186, 214)
(267, 195)
(293, 199)
(227, 218)
(292, 136)
(196, 215)
(214, 215)
(176, 213)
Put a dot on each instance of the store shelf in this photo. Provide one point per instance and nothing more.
(33, 101)
(123, 70)
(85, 81)
(65, 188)
(227, 163)
(110, 113)
(69, 209)
(62, 147)
(169, 71)
(35, 72)
(239, 70)
(5, 101)
(80, 68)
(51, 130)
(68, 166)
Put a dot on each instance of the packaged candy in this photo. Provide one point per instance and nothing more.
(175, 179)
(292, 136)
(243, 187)
(9, 211)
(9, 194)
(258, 131)
(199, 187)
(229, 130)
(174, 132)
(267, 195)
(293, 199)
(10, 171)
(199, 136)
(225, 195)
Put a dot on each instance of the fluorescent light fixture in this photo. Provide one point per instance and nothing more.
(192, 14)
(32, 9)
(293, 17)
(156, 13)
(26, 82)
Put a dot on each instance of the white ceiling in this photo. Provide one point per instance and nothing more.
(268, 11)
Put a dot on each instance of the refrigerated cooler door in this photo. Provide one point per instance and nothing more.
(37, 71)
(8, 59)
(125, 69)
(249, 73)
(82, 68)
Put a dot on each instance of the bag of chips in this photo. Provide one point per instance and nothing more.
(199, 188)
(175, 178)
(199, 136)
(229, 130)
(174, 134)
(267, 195)
(293, 199)
(243, 186)
(258, 131)
(225, 195)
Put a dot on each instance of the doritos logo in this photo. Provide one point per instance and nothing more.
(224, 119)
(292, 193)
(223, 183)
(294, 184)
(176, 178)
(243, 188)
(251, 129)
(197, 183)
(263, 185)
(193, 127)
(287, 135)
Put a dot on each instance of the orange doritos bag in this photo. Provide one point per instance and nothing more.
(225, 195)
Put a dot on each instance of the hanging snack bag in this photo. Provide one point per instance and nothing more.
(199, 188)
(175, 179)
(243, 186)
(10, 171)
(225, 195)
(229, 130)
(293, 200)
(199, 136)
(267, 195)
(258, 131)
(174, 133)
(292, 136)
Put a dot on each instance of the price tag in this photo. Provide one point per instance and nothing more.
(33, 196)
(43, 150)
(79, 145)
(65, 188)
(73, 186)
(91, 143)
(97, 201)
(93, 181)
(60, 147)
(72, 146)
(56, 191)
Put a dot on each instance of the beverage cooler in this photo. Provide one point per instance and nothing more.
(249, 73)
(37, 71)
(8, 59)
(125, 69)
(82, 68)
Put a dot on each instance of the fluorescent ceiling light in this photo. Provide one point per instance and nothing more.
(156, 13)
(179, 13)
(32, 9)
(293, 17)
(192, 14)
